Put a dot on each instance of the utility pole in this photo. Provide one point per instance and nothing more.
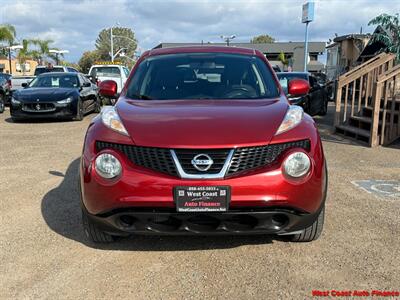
(9, 60)
(307, 17)
(15, 47)
(112, 45)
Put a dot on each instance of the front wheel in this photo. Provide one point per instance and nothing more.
(1, 103)
(324, 108)
(92, 232)
(97, 106)
(79, 111)
(312, 232)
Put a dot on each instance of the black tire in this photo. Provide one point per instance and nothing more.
(97, 106)
(312, 232)
(79, 111)
(306, 106)
(92, 232)
(1, 103)
(324, 109)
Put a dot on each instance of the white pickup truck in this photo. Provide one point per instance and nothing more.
(117, 73)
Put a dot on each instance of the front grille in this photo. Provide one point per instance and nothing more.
(185, 157)
(39, 107)
(158, 159)
(244, 159)
(249, 158)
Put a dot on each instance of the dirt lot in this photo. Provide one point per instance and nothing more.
(44, 253)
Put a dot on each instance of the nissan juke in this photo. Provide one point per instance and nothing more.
(203, 141)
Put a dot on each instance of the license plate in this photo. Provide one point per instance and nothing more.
(202, 198)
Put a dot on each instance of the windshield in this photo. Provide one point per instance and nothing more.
(39, 71)
(105, 72)
(202, 76)
(284, 79)
(55, 81)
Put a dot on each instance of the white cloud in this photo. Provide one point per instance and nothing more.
(74, 24)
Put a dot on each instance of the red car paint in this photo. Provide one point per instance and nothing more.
(228, 124)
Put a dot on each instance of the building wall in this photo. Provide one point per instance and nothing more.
(17, 69)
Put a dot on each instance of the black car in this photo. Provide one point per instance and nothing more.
(313, 103)
(5, 90)
(56, 95)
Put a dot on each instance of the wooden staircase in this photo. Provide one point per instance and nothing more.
(368, 101)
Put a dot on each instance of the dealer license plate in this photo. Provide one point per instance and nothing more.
(202, 198)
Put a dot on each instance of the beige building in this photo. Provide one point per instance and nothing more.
(17, 69)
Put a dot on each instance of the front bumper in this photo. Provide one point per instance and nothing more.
(239, 221)
(59, 111)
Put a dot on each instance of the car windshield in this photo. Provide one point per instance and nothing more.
(55, 81)
(39, 71)
(202, 76)
(284, 79)
(105, 72)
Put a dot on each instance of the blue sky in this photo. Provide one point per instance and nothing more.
(75, 24)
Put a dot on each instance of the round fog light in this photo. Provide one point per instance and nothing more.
(107, 166)
(297, 164)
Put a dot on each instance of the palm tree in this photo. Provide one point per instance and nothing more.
(24, 54)
(390, 35)
(42, 50)
(7, 33)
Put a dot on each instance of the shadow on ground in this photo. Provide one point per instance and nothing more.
(62, 213)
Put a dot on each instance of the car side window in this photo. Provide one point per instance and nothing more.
(126, 71)
(81, 79)
(72, 70)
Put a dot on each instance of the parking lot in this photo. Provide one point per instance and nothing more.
(45, 253)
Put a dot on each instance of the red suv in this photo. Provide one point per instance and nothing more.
(203, 140)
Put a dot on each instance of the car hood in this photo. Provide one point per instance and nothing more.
(201, 123)
(44, 94)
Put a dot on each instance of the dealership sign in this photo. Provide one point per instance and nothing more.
(308, 12)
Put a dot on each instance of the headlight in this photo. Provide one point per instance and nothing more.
(65, 101)
(297, 164)
(293, 117)
(111, 119)
(107, 166)
(15, 101)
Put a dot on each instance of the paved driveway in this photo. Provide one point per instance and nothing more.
(44, 253)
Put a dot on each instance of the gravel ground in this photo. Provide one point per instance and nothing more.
(44, 253)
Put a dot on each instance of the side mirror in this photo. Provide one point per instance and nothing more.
(298, 87)
(108, 88)
(86, 84)
(24, 84)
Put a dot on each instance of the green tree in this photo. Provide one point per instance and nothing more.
(282, 59)
(262, 38)
(390, 36)
(87, 60)
(24, 54)
(42, 50)
(7, 34)
(123, 38)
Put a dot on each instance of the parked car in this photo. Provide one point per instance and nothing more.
(203, 141)
(55, 95)
(18, 81)
(117, 73)
(50, 68)
(315, 102)
(5, 90)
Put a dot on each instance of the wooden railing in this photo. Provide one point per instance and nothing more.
(387, 108)
(358, 98)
